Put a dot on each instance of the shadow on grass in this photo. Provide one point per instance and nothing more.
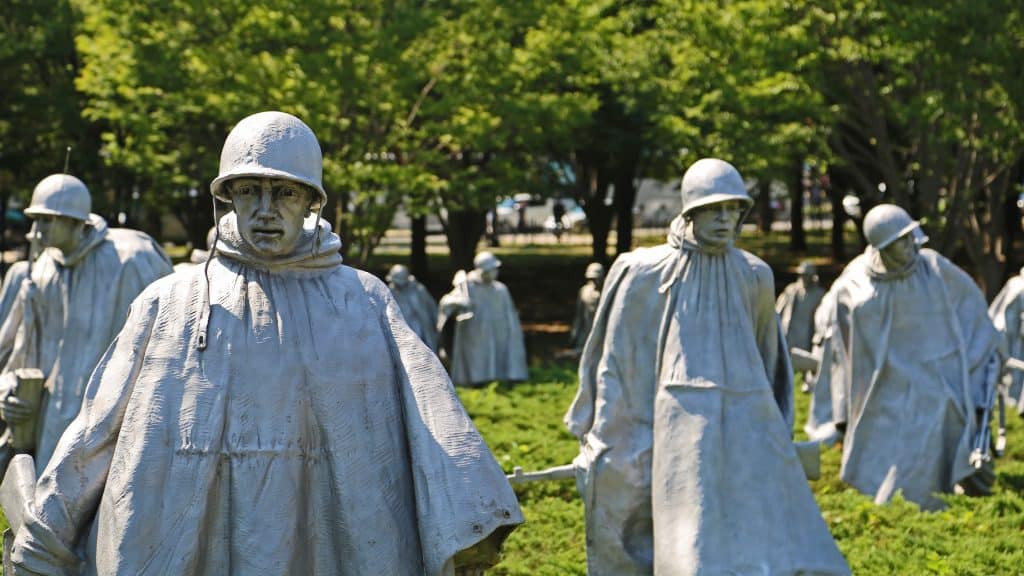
(1012, 482)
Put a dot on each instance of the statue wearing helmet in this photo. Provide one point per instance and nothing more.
(1007, 313)
(586, 305)
(796, 305)
(70, 306)
(269, 412)
(418, 307)
(685, 408)
(486, 338)
(913, 360)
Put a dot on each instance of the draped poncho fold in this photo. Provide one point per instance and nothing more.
(314, 434)
(489, 345)
(419, 309)
(79, 304)
(913, 353)
(684, 414)
(1007, 313)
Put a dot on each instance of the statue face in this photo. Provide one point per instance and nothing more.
(489, 276)
(270, 212)
(58, 232)
(715, 225)
(900, 253)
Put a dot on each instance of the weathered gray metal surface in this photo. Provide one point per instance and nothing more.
(418, 307)
(75, 307)
(684, 415)
(488, 342)
(911, 368)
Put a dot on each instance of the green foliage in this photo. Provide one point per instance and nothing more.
(523, 426)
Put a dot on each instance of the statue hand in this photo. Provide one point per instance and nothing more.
(15, 411)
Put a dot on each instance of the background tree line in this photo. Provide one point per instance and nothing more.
(442, 107)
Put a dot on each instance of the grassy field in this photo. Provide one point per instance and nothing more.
(974, 536)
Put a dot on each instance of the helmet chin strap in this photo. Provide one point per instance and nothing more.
(204, 314)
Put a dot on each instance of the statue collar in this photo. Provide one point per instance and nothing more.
(317, 249)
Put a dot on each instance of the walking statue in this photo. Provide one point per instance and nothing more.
(68, 310)
(586, 305)
(487, 343)
(417, 305)
(269, 412)
(914, 366)
(685, 408)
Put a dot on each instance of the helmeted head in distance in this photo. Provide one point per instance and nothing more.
(715, 200)
(271, 171)
(487, 264)
(595, 272)
(60, 207)
(808, 271)
(898, 237)
(399, 275)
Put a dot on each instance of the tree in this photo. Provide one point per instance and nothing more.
(929, 97)
(40, 111)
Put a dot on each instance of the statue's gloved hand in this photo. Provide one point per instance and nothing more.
(15, 411)
(28, 290)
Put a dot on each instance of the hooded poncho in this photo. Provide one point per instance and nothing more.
(79, 304)
(12, 283)
(1007, 313)
(419, 310)
(13, 279)
(820, 422)
(684, 414)
(586, 308)
(315, 434)
(796, 306)
(489, 346)
(914, 352)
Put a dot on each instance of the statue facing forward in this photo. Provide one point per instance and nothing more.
(685, 408)
(586, 305)
(268, 413)
(71, 306)
(914, 361)
(487, 343)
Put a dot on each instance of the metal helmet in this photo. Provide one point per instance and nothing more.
(709, 181)
(486, 261)
(806, 268)
(886, 223)
(594, 270)
(398, 271)
(60, 195)
(271, 145)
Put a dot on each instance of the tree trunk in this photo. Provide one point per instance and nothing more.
(797, 236)
(418, 255)
(763, 206)
(835, 198)
(3, 231)
(625, 197)
(590, 197)
(464, 229)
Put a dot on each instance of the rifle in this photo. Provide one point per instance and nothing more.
(983, 440)
(16, 495)
(809, 454)
(804, 361)
(461, 282)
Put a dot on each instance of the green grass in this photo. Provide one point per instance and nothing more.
(974, 536)
(522, 424)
